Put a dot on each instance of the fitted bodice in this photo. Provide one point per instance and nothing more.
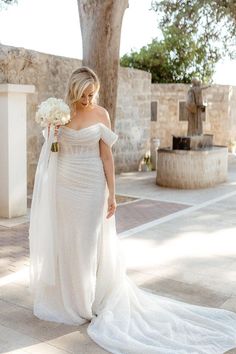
(84, 142)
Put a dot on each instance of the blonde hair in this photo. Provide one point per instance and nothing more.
(79, 80)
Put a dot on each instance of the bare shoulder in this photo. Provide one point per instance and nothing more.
(103, 115)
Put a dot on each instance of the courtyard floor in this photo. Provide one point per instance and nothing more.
(178, 243)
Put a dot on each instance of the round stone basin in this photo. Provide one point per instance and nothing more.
(192, 169)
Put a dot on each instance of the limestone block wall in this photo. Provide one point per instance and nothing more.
(133, 118)
(232, 113)
(168, 124)
(50, 73)
(220, 112)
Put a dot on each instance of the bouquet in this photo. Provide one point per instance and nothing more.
(53, 112)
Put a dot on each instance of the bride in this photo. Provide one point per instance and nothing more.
(77, 274)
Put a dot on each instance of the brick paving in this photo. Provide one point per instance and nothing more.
(14, 248)
(143, 211)
(14, 245)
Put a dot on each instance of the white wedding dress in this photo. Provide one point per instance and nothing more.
(76, 269)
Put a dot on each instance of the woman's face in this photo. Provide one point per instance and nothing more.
(87, 97)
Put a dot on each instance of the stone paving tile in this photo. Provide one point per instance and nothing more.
(15, 221)
(182, 291)
(230, 304)
(143, 211)
(21, 329)
(77, 342)
(22, 319)
(143, 185)
(13, 341)
(17, 294)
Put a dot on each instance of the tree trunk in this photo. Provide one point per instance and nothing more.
(100, 22)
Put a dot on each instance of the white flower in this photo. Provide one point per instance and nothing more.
(53, 111)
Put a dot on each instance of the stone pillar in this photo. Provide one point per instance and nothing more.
(13, 164)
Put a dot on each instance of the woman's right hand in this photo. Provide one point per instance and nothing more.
(111, 206)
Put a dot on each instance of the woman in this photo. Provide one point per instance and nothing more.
(77, 271)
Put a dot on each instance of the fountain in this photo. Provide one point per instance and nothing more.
(193, 161)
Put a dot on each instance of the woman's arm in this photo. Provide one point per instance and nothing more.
(109, 169)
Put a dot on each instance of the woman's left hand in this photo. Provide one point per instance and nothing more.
(111, 206)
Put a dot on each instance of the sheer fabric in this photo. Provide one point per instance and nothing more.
(77, 272)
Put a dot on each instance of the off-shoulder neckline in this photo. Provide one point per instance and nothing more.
(89, 126)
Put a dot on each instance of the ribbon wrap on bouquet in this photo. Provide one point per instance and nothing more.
(43, 227)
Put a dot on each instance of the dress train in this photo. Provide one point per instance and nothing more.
(77, 271)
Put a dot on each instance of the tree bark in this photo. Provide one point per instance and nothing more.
(101, 22)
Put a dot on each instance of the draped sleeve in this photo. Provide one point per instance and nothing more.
(43, 225)
(107, 135)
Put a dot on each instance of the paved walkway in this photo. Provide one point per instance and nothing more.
(178, 243)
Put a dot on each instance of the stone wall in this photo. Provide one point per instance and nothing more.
(133, 118)
(232, 115)
(167, 124)
(50, 73)
(220, 112)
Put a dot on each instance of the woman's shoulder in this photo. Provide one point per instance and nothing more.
(102, 114)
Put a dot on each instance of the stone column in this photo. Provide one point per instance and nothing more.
(13, 162)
